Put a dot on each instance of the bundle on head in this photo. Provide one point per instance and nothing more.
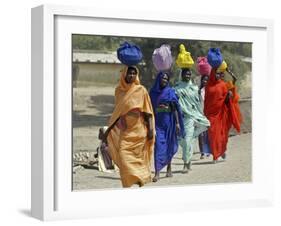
(129, 54)
(162, 58)
(184, 59)
(203, 67)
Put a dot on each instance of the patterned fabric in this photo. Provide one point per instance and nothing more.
(194, 121)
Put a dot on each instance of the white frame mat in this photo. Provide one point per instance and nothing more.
(52, 197)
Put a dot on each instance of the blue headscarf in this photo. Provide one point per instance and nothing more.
(165, 95)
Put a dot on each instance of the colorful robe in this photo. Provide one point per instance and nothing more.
(221, 115)
(203, 139)
(129, 146)
(166, 143)
(194, 121)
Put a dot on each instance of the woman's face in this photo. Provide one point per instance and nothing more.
(205, 80)
(186, 76)
(131, 75)
(164, 81)
(219, 76)
(222, 76)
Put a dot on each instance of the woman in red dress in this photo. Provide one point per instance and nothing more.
(220, 107)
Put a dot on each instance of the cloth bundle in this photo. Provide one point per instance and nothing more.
(184, 59)
(129, 54)
(214, 57)
(162, 58)
(203, 67)
(222, 67)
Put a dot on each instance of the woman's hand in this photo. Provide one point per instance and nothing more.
(230, 94)
(150, 134)
(177, 128)
(104, 136)
(148, 120)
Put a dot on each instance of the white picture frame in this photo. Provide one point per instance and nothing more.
(52, 197)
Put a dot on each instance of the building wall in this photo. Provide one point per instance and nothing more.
(96, 72)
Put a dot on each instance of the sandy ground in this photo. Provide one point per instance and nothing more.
(236, 168)
(92, 108)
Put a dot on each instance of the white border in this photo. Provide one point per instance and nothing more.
(52, 27)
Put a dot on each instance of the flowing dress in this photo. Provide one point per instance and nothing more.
(194, 121)
(165, 103)
(221, 114)
(203, 137)
(129, 146)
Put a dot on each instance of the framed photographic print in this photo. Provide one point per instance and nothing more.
(132, 133)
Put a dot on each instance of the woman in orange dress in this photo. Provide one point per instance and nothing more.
(234, 106)
(130, 135)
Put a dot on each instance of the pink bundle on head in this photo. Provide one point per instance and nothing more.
(203, 67)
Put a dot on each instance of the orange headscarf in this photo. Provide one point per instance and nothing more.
(130, 96)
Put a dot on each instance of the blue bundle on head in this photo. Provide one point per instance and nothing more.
(214, 57)
(129, 54)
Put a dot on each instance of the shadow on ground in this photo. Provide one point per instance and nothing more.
(101, 105)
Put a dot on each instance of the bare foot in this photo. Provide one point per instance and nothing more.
(189, 166)
(184, 171)
(185, 168)
(155, 178)
(169, 171)
(169, 174)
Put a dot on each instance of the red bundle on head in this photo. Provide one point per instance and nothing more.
(203, 67)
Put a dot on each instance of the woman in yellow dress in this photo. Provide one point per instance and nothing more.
(130, 135)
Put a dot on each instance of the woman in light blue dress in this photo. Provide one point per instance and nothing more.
(194, 121)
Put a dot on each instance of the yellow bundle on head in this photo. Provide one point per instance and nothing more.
(184, 59)
(222, 67)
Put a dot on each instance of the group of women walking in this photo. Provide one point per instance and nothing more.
(167, 117)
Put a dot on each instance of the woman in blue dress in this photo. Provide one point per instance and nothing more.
(168, 123)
